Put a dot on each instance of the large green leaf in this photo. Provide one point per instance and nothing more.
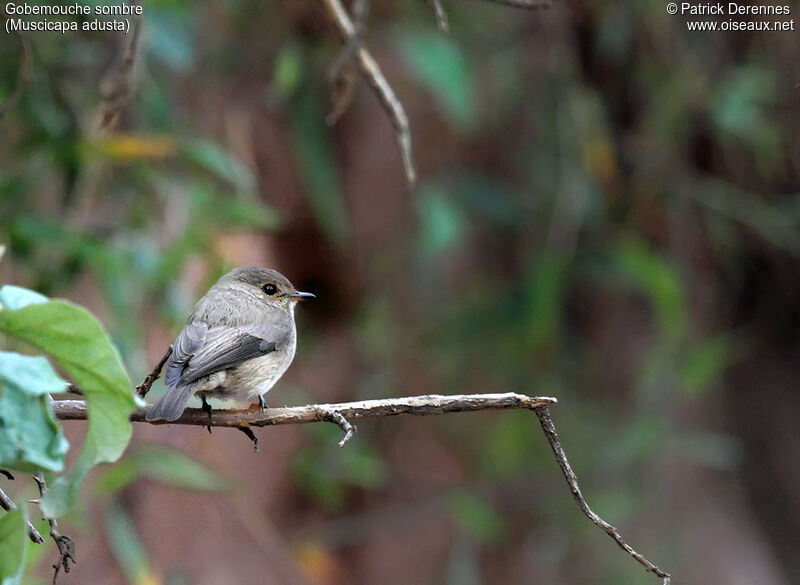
(77, 341)
(13, 547)
(440, 65)
(315, 157)
(30, 439)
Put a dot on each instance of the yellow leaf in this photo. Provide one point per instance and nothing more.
(131, 147)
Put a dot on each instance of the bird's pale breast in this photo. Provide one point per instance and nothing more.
(256, 376)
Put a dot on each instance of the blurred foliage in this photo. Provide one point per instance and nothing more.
(76, 341)
(327, 473)
(161, 464)
(476, 516)
(14, 544)
(127, 548)
(439, 64)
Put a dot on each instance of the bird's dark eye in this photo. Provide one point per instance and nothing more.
(269, 288)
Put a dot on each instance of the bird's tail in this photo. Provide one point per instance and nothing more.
(172, 404)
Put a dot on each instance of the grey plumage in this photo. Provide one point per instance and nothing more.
(238, 341)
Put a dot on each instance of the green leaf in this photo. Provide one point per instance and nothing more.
(322, 487)
(324, 472)
(545, 294)
(127, 547)
(30, 439)
(442, 223)
(13, 547)
(314, 154)
(438, 63)
(659, 280)
(706, 362)
(78, 343)
(165, 465)
(171, 29)
(506, 451)
(221, 163)
(288, 69)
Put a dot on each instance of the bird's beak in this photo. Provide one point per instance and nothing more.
(301, 296)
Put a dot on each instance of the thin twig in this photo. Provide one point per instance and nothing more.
(8, 504)
(372, 73)
(143, 388)
(338, 419)
(66, 546)
(116, 88)
(341, 73)
(25, 75)
(549, 430)
(441, 15)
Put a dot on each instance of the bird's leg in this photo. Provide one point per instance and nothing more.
(262, 403)
(206, 409)
(250, 435)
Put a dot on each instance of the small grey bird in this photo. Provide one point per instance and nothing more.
(238, 341)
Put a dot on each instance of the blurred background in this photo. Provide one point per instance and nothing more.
(607, 211)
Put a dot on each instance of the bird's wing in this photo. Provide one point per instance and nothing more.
(189, 341)
(225, 347)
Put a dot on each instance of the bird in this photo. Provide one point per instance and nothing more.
(238, 342)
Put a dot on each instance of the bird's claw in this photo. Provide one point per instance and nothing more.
(250, 435)
(207, 410)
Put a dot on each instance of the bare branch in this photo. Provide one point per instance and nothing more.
(550, 432)
(25, 75)
(341, 72)
(8, 504)
(372, 73)
(66, 546)
(430, 404)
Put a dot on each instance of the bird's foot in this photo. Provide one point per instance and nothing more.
(207, 410)
(206, 406)
(250, 435)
